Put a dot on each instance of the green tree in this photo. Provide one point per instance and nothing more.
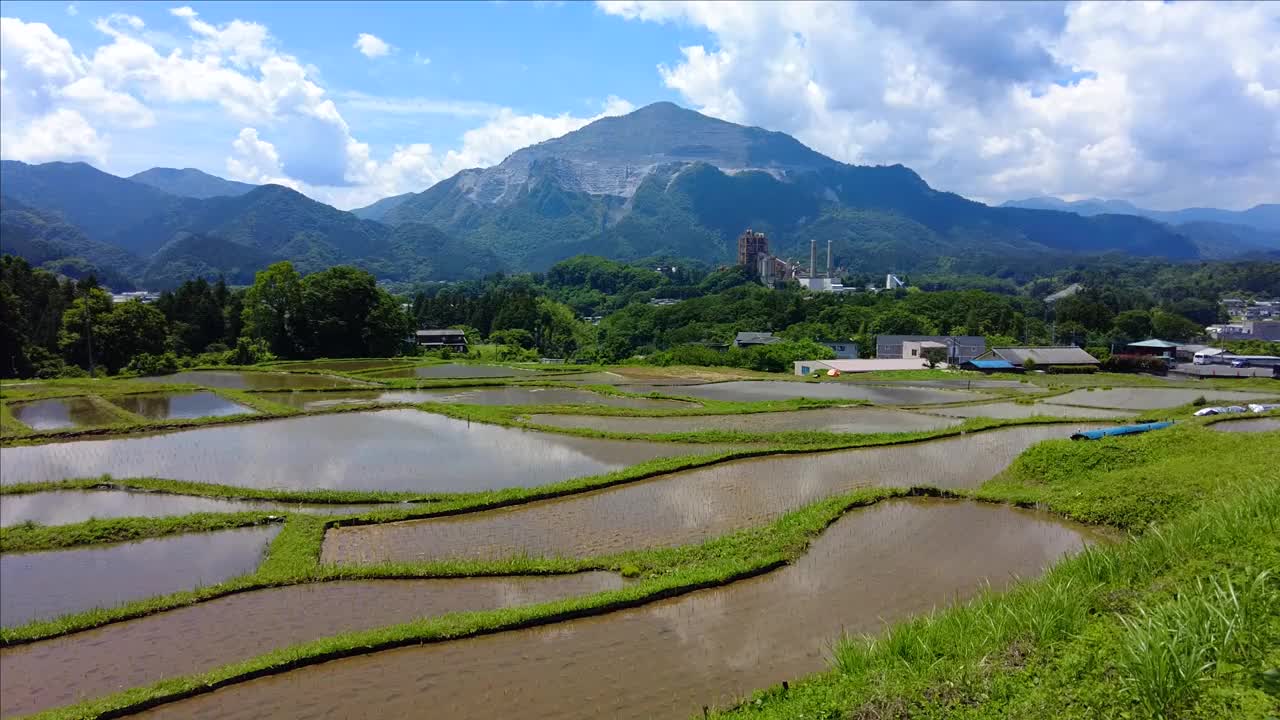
(337, 304)
(1132, 325)
(934, 356)
(84, 324)
(130, 329)
(273, 309)
(1169, 326)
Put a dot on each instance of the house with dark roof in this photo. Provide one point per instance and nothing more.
(959, 347)
(455, 340)
(1153, 348)
(751, 339)
(1066, 356)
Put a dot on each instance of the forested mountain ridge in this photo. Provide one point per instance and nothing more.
(1263, 217)
(666, 180)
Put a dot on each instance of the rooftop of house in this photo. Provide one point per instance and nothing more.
(1068, 355)
(1154, 343)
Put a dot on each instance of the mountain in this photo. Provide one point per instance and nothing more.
(99, 204)
(378, 211)
(190, 182)
(1228, 241)
(44, 239)
(664, 180)
(1263, 217)
(189, 255)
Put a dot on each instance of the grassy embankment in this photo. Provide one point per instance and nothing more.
(1181, 618)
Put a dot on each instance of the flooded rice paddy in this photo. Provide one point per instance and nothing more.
(540, 396)
(184, 405)
(1021, 410)
(755, 390)
(686, 507)
(836, 420)
(62, 413)
(1152, 398)
(43, 585)
(1252, 425)
(63, 507)
(454, 370)
(344, 365)
(239, 380)
(201, 637)
(668, 659)
(319, 399)
(378, 450)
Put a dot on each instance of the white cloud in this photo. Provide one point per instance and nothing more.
(99, 101)
(60, 135)
(255, 160)
(72, 10)
(421, 59)
(417, 105)
(1167, 104)
(371, 46)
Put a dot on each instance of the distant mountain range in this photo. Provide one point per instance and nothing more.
(661, 181)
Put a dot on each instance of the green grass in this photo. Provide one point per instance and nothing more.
(30, 537)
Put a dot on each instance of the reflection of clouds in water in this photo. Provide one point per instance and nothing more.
(1148, 398)
(63, 507)
(44, 585)
(391, 449)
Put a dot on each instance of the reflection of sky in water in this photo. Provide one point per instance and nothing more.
(1018, 410)
(73, 506)
(237, 380)
(690, 506)
(48, 584)
(60, 413)
(185, 405)
(388, 450)
(669, 658)
(844, 420)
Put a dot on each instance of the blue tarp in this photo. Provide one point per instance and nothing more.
(1124, 430)
(992, 364)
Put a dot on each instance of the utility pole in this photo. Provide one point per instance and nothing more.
(88, 328)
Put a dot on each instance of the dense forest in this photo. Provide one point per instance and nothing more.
(590, 308)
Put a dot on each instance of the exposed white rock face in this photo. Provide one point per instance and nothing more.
(613, 156)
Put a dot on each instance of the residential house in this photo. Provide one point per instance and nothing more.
(1069, 355)
(844, 349)
(751, 339)
(959, 347)
(455, 340)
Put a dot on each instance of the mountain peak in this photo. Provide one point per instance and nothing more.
(190, 182)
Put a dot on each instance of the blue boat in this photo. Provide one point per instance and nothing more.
(1123, 430)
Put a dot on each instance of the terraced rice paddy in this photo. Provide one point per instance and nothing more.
(180, 406)
(1022, 410)
(670, 658)
(239, 380)
(836, 420)
(452, 370)
(541, 396)
(1251, 425)
(755, 390)
(62, 413)
(685, 507)
(379, 450)
(44, 585)
(349, 366)
(72, 506)
(1152, 398)
(210, 634)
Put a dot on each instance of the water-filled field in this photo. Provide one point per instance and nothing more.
(754, 390)
(61, 413)
(539, 396)
(48, 584)
(377, 450)
(836, 420)
(670, 658)
(453, 370)
(201, 637)
(251, 380)
(63, 507)
(689, 506)
(1022, 410)
(181, 405)
(1152, 398)
(1250, 425)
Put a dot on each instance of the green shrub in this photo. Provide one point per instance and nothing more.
(1071, 369)
(250, 352)
(149, 364)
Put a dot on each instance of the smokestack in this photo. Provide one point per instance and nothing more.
(813, 258)
(829, 259)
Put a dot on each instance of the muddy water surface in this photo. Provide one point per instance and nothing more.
(199, 638)
(73, 506)
(1019, 410)
(185, 405)
(61, 413)
(1247, 426)
(838, 420)
(1152, 398)
(48, 584)
(686, 507)
(454, 370)
(754, 390)
(237, 380)
(317, 399)
(344, 365)
(381, 450)
(669, 658)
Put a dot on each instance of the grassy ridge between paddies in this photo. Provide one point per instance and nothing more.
(1181, 622)
(1220, 529)
(32, 537)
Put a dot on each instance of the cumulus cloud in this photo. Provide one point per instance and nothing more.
(1167, 104)
(59, 135)
(371, 46)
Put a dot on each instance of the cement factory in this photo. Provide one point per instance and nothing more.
(753, 253)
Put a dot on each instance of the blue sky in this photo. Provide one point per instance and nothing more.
(1164, 105)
